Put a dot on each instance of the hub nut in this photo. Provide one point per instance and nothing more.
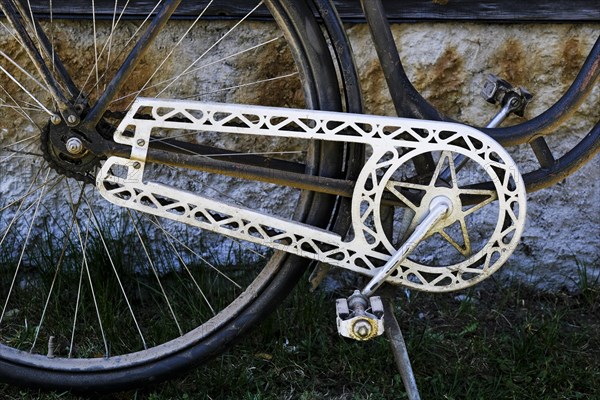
(74, 145)
(362, 328)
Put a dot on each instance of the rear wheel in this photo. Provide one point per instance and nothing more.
(94, 297)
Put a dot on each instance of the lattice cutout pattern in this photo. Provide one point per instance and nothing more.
(395, 142)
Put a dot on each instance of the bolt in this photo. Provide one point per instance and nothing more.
(141, 142)
(72, 119)
(137, 165)
(55, 119)
(362, 329)
(74, 145)
(514, 102)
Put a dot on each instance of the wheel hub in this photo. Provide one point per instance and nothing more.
(65, 149)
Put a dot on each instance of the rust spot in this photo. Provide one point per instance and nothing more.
(440, 2)
(443, 81)
(511, 62)
(375, 90)
(572, 58)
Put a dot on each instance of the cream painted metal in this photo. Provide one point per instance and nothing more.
(393, 141)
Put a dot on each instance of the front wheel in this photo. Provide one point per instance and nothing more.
(94, 297)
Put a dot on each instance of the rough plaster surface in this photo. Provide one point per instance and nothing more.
(447, 62)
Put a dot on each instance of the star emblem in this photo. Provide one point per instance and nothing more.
(465, 201)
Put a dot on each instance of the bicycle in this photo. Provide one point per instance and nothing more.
(113, 267)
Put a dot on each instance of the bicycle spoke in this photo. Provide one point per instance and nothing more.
(59, 262)
(93, 293)
(210, 48)
(16, 81)
(85, 268)
(18, 108)
(154, 271)
(11, 32)
(113, 27)
(203, 259)
(182, 261)
(30, 21)
(114, 269)
(95, 36)
(16, 154)
(202, 67)
(7, 147)
(198, 96)
(175, 46)
(30, 190)
(124, 48)
(24, 71)
(51, 38)
(77, 301)
(21, 201)
(22, 211)
(22, 253)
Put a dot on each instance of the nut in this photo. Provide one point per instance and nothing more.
(74, 145)
(362, 329)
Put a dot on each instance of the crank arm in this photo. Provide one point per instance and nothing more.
(394, 142)
(438, 209)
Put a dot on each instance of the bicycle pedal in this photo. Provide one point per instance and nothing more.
(499, 91)
(355, 322)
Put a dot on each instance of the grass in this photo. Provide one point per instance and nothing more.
(491, 342)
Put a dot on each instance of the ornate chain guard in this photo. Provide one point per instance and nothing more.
(464, 158)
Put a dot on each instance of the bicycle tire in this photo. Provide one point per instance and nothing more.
(148, 365)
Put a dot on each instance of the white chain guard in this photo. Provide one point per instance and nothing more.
(121, 181)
